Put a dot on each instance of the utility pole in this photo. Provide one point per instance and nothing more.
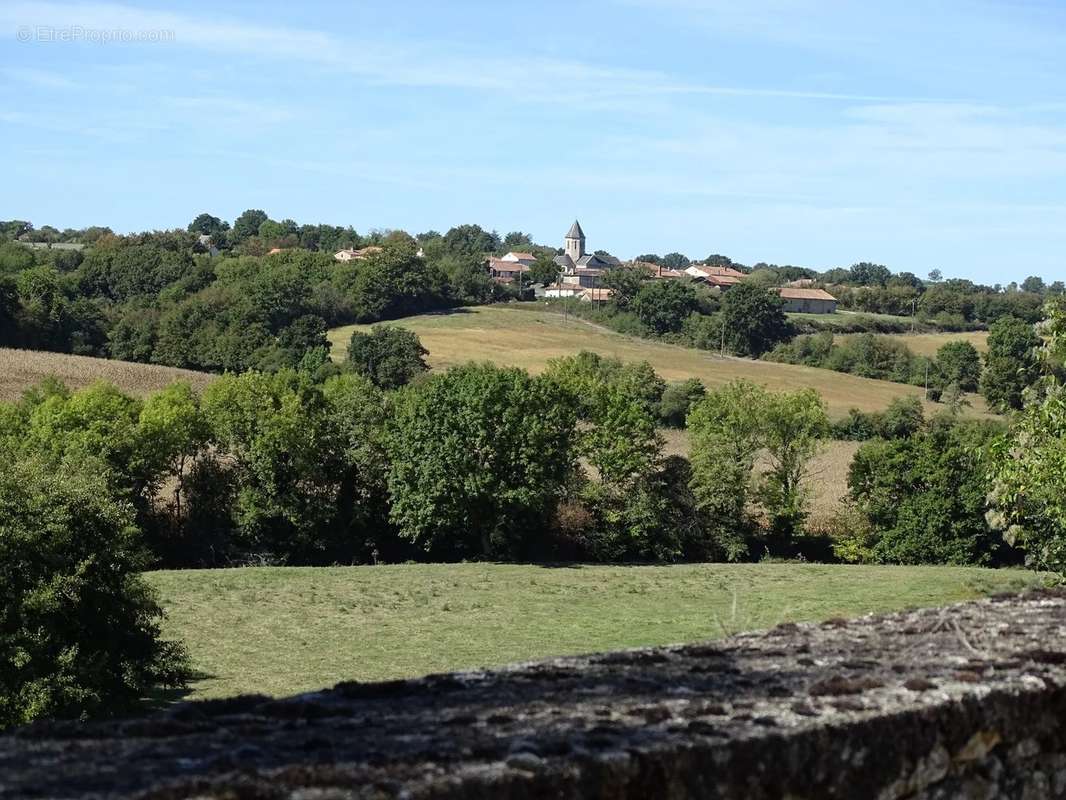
(914, 312)
(723, 338)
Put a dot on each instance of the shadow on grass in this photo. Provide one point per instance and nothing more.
(161, 699)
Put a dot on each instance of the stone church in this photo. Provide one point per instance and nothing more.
(575, 258)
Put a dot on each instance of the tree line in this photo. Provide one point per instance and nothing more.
(478, 462)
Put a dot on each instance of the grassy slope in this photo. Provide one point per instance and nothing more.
(529, 338)
(281, 631)
(21, 369)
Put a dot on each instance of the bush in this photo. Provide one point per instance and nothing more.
(678, 399)
(80, 628)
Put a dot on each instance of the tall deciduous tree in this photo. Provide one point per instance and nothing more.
(1029, 494)
(1011, 363)
(389, 356)
(754, 319)
(478, 458)
(81, 628)
(959, 363)
(664, 305)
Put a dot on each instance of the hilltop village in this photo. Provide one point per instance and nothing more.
(581, 275)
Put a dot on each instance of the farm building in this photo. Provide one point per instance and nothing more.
(808, 301)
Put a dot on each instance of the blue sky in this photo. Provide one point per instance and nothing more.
(815, 132)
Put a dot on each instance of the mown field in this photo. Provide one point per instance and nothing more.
(285, 630)
(926, 344)
(21, 369)
(528, 338)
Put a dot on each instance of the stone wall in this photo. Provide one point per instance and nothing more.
(967, 701)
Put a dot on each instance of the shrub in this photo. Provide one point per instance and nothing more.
(678, 399)
(80, 628)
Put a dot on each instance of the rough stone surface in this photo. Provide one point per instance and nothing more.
(967, 701)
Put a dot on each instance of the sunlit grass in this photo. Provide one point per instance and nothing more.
(280, 631)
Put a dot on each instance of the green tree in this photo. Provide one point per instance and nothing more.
(471, 240)
(675, 261)
(247, 224)
(544, 270)
(924, 495)
(754, 319)
(626, 283)
(1029, 464)
(208, 225)
(173, 432)
(516, 239)
(276, 432)
(389, 356)
(1011, 364)
(1034, 284)
(959, 363)
(81, 629)
(866, 274)
(792, 427)
(904, 417)
(478, 459)
(622, 443)
(664, 305)
(725, 438)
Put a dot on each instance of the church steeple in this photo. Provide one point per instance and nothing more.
(574, 243)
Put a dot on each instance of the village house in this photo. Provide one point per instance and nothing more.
(721, 277)
(351, 254)
(520, 258)
(596, 296)
(503, 270)
(807, 301)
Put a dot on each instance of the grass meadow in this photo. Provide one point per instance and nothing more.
(280, 631)
(529, 337)
(22, 369)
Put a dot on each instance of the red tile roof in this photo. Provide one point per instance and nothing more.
(790, 293)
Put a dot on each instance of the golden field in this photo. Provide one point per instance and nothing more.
(529, 337)
(22, 369)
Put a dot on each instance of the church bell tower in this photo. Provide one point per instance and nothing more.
(574, 243)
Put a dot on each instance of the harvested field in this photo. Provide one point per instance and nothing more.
(22, 369)
(529, 337)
